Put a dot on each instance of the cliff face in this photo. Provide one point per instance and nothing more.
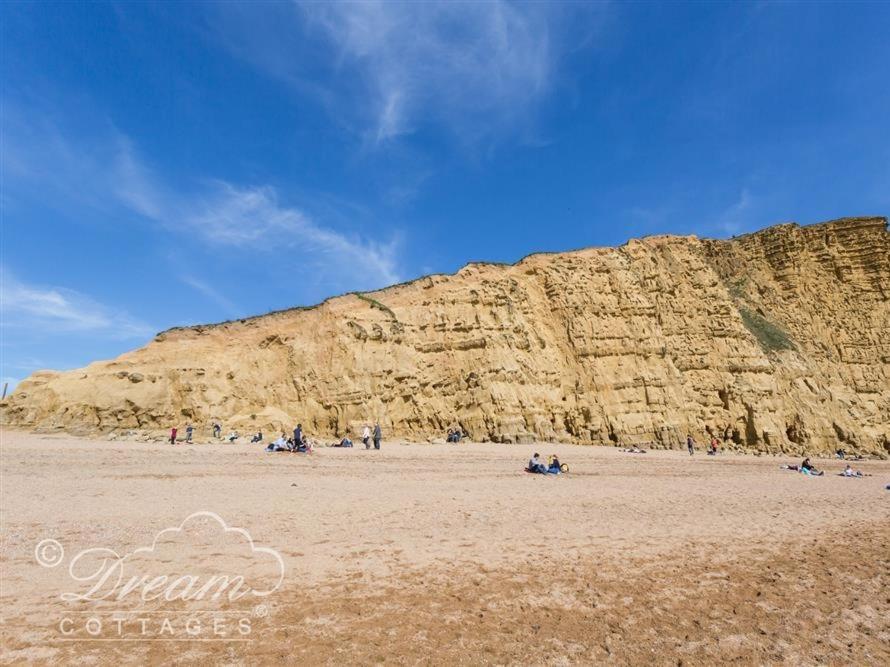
(779, 340)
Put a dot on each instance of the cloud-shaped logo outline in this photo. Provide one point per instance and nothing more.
(227, 529)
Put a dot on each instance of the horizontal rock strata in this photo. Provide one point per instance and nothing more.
(774, 341)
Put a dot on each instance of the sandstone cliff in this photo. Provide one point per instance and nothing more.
(779, 340)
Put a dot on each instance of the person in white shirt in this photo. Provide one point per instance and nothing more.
(279, 445)
(366, 436)
(535, 464)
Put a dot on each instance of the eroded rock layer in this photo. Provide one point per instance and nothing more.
(777, 341)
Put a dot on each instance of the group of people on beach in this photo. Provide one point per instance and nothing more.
(552, 467)
(301, 444)
(713, 446)
(297, 443)
(189, 432)
(808, 469)
(217, 430)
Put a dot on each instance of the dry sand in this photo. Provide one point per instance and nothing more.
(446, 554)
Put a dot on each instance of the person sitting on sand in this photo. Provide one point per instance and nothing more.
(233, 436)
(554, 467)
(279, 445)
(303, 447)
(454, 435)
(536, 465)
(345, 442)
(634, 450)
(840, 453)
(849, 472)
(807, 469)
(712, 451)
(258, 437)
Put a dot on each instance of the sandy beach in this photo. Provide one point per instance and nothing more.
(444, 554)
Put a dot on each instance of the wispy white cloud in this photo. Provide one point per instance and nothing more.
(455, 60)
(479, 68)
(213, 294)
(737, 216)
(61, 310)
(106, 172)
(236, 216)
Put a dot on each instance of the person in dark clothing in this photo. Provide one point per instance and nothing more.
(555, 465)
(173, 436)
(217, 430)
(378, 435)
(690, 444)
(298, 435)
(807, 469)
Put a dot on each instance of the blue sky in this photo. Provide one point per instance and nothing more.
(170, 164)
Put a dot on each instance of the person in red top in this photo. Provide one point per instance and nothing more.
(173, 436)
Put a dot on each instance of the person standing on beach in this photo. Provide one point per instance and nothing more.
(366, 436)
(173, 436)
(188, 433)
(378, 435)
(298, 436)
(217, 430)
(690, 444)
